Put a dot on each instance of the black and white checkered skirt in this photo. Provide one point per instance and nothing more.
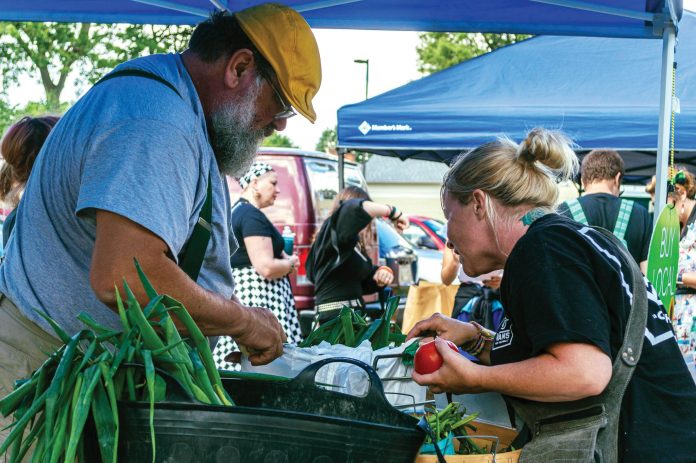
(254, 290)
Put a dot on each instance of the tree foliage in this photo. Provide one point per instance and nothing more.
(440, 50)
(327, 140)
(279, 141)
(7, 116)
(49, 52)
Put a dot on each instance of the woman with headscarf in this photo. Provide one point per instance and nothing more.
(260, 266)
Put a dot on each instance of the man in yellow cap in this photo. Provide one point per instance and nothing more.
(136, 169)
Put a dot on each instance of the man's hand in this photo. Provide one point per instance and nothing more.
(261, 334)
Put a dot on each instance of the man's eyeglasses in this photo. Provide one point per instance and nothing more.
(287, 110)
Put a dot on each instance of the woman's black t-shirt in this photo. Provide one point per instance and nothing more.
(248, 220)
(337, 242)
(564, 282)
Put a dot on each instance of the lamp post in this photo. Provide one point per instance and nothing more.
(366, 62)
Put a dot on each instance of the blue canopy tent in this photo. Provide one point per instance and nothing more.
(603, 18)
(606, 18)
(602, 92)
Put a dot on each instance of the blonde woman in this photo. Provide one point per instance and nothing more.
(567, 291)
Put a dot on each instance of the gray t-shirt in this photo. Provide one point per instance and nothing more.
(130, 146)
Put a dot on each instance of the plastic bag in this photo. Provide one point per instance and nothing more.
(398, 386)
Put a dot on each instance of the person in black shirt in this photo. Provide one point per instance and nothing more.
(601, 174)
(567, 293)
(260, 266)
(338, 263)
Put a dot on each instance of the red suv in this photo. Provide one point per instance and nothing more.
(308, 184)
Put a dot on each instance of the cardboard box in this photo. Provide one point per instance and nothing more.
(506, 457)
(505, 437)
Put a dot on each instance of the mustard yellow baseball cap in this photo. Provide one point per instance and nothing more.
(285, 39)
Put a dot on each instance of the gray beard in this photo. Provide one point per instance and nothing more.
(234, 140)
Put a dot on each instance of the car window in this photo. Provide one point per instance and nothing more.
(437, 227)
(413, 232)
(323, 179)
(389, 238)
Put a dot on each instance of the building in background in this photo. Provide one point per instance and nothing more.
(412, 186)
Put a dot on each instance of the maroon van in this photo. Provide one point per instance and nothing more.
(308, 183)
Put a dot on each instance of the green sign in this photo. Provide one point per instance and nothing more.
(663, 258)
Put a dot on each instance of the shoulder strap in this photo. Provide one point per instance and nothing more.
(139, 73)
(193, 252)
(576, 211)
(622, 220)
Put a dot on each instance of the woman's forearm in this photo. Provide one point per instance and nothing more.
(689, 279)
(450, 266)
(260, 251)
(376, 209)
(565, 373)
(274, 269)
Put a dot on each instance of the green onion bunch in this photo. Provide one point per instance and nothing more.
(453, 419)
(351, 328)
(98, 367)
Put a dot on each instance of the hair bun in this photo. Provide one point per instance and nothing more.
(550, 148)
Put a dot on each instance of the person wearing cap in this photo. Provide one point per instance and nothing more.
(260, 267)
(136, 169)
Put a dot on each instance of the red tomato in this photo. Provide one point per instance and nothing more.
(428, 359)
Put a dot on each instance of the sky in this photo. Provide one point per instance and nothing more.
(392, 62)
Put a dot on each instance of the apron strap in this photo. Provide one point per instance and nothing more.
(576, 211)
(139, 73)
(193, 253)
(622, 220)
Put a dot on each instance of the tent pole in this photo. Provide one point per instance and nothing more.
(341, 169)
(668, 45)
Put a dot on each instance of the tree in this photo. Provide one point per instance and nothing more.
(7, 116)
(50, 51)
(327, 140)
(440, 50)
(278, 140)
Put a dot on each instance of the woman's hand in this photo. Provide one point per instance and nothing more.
(383, 276)
(294, 263)
(401, 223)
(457, 373)
(493, 282)
(445, 327)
